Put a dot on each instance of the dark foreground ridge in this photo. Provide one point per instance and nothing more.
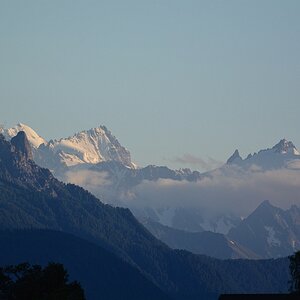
(101, 274)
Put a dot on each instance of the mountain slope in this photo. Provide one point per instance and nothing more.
(206, 242)
(101, 274)
(270, 231)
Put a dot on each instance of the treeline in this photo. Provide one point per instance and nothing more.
(25, 281)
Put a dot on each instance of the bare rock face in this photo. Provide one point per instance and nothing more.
(17, 165)
(21, 143)
(235, 157)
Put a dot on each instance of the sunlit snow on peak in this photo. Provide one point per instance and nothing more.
(34, 139)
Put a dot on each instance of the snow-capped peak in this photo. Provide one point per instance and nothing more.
(285, 146)
(91, 146)
(283, 155)
(34, 139)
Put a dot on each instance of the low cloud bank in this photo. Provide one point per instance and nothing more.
(98, 183)
(224, 194)
(229, 191)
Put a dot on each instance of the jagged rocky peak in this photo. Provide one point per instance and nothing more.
(34, 139)
(22, 144)
(92, 146)
(265, 208)
(235, 157)
(265, 204)
(285, 146)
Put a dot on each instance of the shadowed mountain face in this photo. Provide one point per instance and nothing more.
(266, 233)
(270, 231)
(206, 242)
(30, 197)
(21, 143)
(18, 167)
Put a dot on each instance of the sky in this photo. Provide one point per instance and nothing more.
(179, 83)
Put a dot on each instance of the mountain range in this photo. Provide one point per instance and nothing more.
(93, 146)
(98, 145)
(95, 160)
(283, 154)
(267, 232)
(31, 198)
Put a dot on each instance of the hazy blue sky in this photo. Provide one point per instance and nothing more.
(168, 78)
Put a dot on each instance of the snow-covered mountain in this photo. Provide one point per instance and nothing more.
(232, 183)
(34, 139)
(93, 146)
(283, 155)
(87, 147)
(182, 199)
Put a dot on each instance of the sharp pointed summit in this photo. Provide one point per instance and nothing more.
(234, 158)
(285, 146)
(269, 231)
(265, 205)
(283, 155)
(92, 146)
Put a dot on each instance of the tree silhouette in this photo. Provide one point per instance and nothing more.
(26, 282)
(295, 272)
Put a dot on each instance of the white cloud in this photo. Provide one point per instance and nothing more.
(238, 193)
(224, 191)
